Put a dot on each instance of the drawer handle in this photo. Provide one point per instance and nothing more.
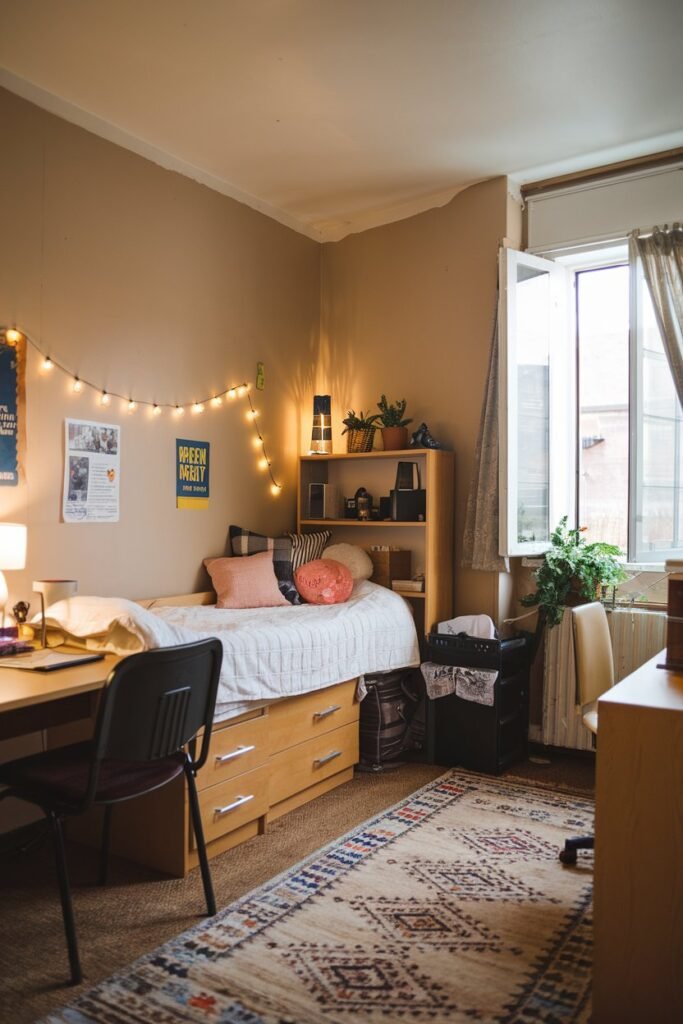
(234, 805)
(320, 761)
(328, 711)
(237, 752)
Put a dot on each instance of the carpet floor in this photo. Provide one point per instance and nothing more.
(139, 910)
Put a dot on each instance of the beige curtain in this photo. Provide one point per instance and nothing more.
(480, 541)
(661, 254)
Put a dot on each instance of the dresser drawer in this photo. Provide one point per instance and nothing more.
(233, 750)
(312, 714)
(230, 804)
(299, 767)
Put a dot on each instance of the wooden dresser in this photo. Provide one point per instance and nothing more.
(261, 765)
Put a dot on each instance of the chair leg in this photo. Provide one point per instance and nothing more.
(568, 855)
(201, 844)
(65, 896)
(106, 842)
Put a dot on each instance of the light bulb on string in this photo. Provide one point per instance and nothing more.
(105, 399)
(216, 401)
(77, 385)
(132, 405)
(197, 407)
(179, 411)
(232, 393)
(275, 490)
(257, 442)
(47, 364)
(12, 335)
(156, 410)
(263, 463)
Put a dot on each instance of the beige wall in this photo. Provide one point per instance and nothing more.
(407, 310)
(145, 282)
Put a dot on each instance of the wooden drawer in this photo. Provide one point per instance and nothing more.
(233, 750)
(233, 803)
(302, 718)
(299, 767)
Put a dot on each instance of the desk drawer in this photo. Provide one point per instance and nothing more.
(233, 803)
(233, 750)
(297, 768)
(302, 718)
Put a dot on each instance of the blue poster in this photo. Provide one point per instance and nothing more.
(9, 469)
(192, 474)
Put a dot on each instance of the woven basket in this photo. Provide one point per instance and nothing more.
(360, 440)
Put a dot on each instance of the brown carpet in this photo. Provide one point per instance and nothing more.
(139, 909)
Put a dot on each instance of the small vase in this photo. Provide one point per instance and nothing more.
(394, 439)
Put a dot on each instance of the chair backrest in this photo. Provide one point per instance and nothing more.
(593, 651)
(157, 701)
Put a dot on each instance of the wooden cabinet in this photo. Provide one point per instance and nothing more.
(430, 542)
(260, 766)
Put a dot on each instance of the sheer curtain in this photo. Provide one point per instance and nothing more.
(480, 541)
(660, 252)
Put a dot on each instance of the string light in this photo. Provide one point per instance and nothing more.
(13, 335)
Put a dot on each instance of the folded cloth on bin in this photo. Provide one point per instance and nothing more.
(474, 625)
(473, 684)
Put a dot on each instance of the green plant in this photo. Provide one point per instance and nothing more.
(391, 413)
(363, 421)
(573, 569)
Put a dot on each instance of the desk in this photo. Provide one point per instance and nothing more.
(30, 701)
(638, 965)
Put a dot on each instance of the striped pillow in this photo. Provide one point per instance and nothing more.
(246, 542)
(307, 547)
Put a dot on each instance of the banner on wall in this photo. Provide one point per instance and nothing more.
(192, 473)
(12, 405)
(92, 461)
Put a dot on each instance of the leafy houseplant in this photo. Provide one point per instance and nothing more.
(394, 433)
(573, 571)
(361, 430)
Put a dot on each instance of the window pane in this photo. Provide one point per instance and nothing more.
(603, 326)
(533, 357)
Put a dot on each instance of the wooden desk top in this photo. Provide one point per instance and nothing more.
(660, 689)
(21, 688)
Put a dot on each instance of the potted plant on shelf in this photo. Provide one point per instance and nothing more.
(360, 430)
(573, 572)
(394, 433)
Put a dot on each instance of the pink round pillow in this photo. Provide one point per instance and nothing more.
(324, 581)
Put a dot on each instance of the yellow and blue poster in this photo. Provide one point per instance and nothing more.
(192, 474)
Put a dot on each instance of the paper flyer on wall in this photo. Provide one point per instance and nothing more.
(91, 472)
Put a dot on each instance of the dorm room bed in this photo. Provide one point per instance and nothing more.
(286, 725)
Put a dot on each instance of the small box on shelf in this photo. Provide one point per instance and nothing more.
(389, 565)
(410, 586)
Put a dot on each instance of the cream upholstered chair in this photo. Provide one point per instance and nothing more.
(594, 675)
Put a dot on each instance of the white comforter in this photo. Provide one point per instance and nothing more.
(267, 652)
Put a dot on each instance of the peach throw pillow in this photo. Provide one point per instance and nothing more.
(245, 582)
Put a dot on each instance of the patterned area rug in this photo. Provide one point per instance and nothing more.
(451, 906)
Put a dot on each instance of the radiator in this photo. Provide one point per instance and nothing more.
(637, 635)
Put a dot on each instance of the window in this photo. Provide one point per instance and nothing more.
(590, 423)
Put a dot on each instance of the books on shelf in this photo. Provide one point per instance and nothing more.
(416, 586)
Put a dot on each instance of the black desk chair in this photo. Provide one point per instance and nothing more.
(154, 704)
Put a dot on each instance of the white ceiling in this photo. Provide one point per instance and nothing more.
(337, 115)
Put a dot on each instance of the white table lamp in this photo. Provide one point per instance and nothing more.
(50, 592)
(12, 555)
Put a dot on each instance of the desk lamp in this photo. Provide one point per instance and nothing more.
(12, 556)
(51, 591)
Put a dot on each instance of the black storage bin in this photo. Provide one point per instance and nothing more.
(462, 732)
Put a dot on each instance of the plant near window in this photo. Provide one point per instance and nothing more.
(391, 413)
(573, 571)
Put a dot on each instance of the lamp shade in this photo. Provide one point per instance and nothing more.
(12, 546)
(55, 590)
(321, 434)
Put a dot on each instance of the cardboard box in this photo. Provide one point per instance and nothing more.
(390, 565)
